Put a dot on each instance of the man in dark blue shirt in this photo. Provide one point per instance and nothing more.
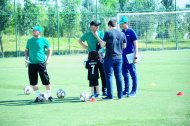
(114, 41)
(129, 67)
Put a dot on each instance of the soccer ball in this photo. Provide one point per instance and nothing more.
(84, 96)
(43, 97)
(61, 94)
(27, 90)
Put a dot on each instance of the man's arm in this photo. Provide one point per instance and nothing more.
(26, 54)
(48, 55)
(136, 51)
(82, 44)
(102, 43)
(26, 57)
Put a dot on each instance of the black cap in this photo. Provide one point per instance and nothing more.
(95, 23)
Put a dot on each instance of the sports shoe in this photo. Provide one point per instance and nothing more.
(50, 99)
(125, 93)
(91, 96)
(107, 98)
(132, 94)
(104, 94)
(97, 96)
(36, 100)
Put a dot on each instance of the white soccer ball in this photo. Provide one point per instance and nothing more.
(84, 96)
(43, 97)
(27, 90)
(61, 94)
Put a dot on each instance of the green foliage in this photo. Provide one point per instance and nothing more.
(70, 16)
(5, 14)
(28, 16)
(168, 4)
(51, 22)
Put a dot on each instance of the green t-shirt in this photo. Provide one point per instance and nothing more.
(36, 49)
(91, 40)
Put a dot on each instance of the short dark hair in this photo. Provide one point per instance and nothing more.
(112, 23)
(93, 55)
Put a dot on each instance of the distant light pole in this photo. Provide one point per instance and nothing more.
(96, 9)
(16, 32)
(176, 33)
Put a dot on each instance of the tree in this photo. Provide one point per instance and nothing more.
(107, 9)
(168, 4)
(70, 17)
(28, 16)
(4, 19)
(51, 27)
(86, 14)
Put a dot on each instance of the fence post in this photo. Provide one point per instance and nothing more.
(58, 25)
(96, 10)
(16, 31)
(176, 35)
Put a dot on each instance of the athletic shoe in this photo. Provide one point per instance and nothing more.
(132, 94)
(107, 98)
(50, 99)
(36, 100)
(120, 98)
(104, 94)
(97, 96)
(125, 93)
(91, 96)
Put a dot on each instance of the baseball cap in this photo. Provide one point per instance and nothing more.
(95, 23)
(123, 20)
(37, 28)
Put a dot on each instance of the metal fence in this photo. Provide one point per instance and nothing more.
(64, 22)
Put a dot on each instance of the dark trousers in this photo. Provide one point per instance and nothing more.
(129, 69)
(113, 66)
(102, 75)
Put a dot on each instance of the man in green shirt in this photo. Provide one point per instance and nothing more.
(92, 46)
(36, 61)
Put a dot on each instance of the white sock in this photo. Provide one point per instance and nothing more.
(37, 92)
(48, 93)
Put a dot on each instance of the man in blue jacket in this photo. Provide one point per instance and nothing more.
(129, 67)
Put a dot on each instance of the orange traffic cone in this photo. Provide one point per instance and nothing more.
(179, 93)
(92, 99)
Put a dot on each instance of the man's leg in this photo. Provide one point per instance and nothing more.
(33, 77)
(48, 89)
(36, 89)
(103, 78)
(126, 78)
(118, 76)
(109, 71)
(133, 73)
(45, 80)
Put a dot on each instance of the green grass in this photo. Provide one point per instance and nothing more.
(161, 75)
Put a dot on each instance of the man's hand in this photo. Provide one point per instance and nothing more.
(135, 61)
(26, 62)
(47, 62)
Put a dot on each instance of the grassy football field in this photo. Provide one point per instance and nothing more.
(161, 75)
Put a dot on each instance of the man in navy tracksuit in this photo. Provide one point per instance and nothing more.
(129, 68)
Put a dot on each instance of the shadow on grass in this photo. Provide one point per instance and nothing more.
(31, 102)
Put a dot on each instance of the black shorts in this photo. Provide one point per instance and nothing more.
(34, 69)
(93, 82)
